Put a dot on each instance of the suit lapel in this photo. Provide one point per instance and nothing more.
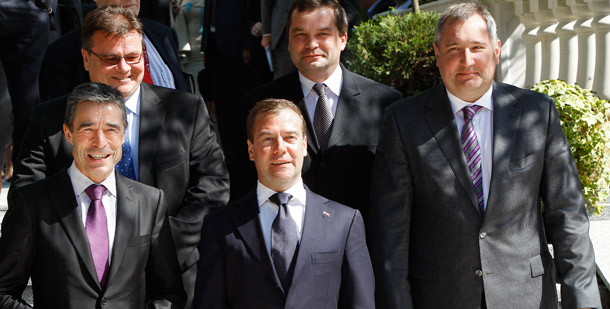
(151, 122)
(506, 124)
(246, 220)
(346, 107)
(314, 227)
(442, 123)
(64, 201)
(126, 211)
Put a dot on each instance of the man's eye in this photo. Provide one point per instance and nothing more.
(111, 60)
(130, 59)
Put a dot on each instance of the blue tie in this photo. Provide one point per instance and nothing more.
(125, 166)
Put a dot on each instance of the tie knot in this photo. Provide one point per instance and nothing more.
(95, 192)
(470, 110)
(320, 89)
(280, 198)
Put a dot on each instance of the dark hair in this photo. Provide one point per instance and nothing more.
(112, 20)
(461, 12)
(310, 5)
(94, 92)
(271, 106)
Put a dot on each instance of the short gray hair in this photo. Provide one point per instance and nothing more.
(461, 12)
(94, 92)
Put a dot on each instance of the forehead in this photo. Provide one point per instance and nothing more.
(88, 110)
(473, 29)
(323, 17)
(128, 42)
(284, 120)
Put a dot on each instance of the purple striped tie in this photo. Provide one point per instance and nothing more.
(97, 231)
(472, 151)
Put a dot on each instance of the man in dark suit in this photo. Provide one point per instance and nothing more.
(172, 143)
(275, 35)
(339, 162)
(88, 236)
(281, 245)
(470, 180)
(62, 66)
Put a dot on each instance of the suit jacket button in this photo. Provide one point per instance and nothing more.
(482, 235)
(103, 301)
(478, 272)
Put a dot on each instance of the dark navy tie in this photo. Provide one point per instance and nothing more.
(284, 239)
(125, 166)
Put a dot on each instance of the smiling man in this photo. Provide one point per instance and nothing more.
(472, 179)
(281, 245)
(88, 236)
(169, 141)
(342, 110)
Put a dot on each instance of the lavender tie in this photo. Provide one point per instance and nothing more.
(472, 151)
(97, 231)
(322, 116)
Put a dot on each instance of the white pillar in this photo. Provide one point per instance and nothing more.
(586, 43)
(601, 27)
(533, 54)
(568, 41)
(548, 39)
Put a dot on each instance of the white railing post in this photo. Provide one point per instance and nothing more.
(548, 38)
(533, 55)
(586, 43)
(601, 27)
(568, 41)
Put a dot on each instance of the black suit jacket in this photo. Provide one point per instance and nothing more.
(178, 154)
(430, 244)
(43, 237)
(63, 69)
(332, 267)
(341, 172)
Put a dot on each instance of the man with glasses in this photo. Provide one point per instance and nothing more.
(62, 67)
(169, 143)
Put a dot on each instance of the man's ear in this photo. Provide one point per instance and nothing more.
(305, 146)
(85, 55)
(68, 134)
(250, 150)
(435, 52)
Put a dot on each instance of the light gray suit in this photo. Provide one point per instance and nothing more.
(431, 246)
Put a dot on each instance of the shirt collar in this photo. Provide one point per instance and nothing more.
(297, 191)
(132, 104)
(457, 104)
(80, 182)
(333, 82)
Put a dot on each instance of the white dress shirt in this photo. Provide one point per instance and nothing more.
(80, 182)
(159, 71)
(268, 210)
(483, 127)
(132, 134)
(334, 83)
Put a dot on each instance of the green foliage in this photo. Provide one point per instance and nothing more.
(396, 50)
(585, 120)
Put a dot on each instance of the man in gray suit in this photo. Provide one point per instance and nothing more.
(471, 181)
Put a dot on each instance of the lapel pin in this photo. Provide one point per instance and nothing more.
(326, 214)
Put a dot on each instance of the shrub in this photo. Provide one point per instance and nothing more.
(585, 120)
(396, 50)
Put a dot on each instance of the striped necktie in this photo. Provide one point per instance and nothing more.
(472, 152)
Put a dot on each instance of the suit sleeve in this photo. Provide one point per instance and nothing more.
(566, 221)
(210, 286)
(390, 215)
(266, 13)
(357, 279)
(31, 160)
(16, 252)
(164, 282)
(208, 188)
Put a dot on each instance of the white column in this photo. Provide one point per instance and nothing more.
(533, 54)
(586, 43)
(568, 41)
(548, 39)
(601, 27)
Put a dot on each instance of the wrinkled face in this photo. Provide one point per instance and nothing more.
(97, 138)
(315, 44)
(467, 58)
(122, 76)
(278, 149)
(132, 5)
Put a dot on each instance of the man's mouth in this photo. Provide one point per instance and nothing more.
(279, 162)
(99, 156)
